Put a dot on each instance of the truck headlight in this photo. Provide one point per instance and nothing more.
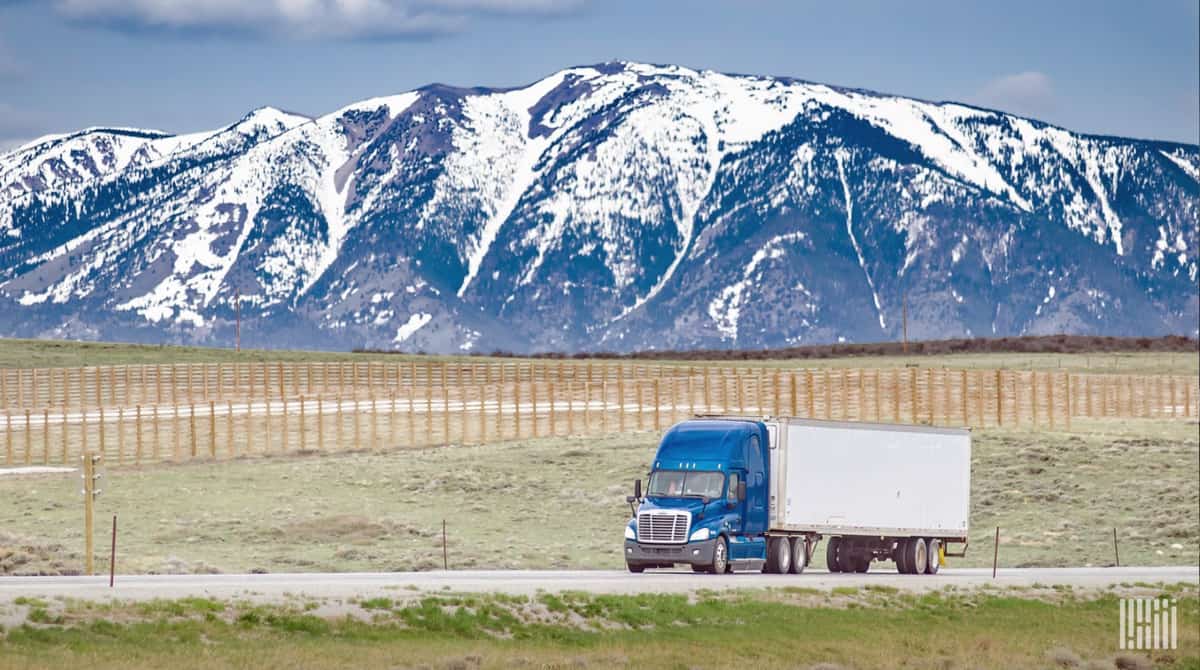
(629, 534)
(700, 535)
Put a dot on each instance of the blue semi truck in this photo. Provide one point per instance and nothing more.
(738, 493)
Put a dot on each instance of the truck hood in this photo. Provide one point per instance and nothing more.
(693, 505)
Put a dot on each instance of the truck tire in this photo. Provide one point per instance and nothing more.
(863, 563)
(720, 561)
(934, 547)
(915, 555)
(634, 568)
(779, 556)
(898, 555)
(799, 555)
(832, 549)
(847, 556)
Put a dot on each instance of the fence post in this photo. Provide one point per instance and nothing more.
(266, 447)
(29, 439)
(533, 400)
(707, 392)
(212, 428)
(8, 439)
(393, 414)
(65, 428)
(192, 425)
(375, 417)
(483, 404)
(120, 435)
(551, 398)
(101, 432)
(445, 406)
(517, 403)
(999, 401)
(283, 420)
(46, 436)
(571, 406)
(621, 397)
(1033, 396)
(137, 422)
(657, 404)
(229, 426)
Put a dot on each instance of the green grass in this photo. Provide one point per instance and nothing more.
(1056, 497)
(17, 353)
(571, 630)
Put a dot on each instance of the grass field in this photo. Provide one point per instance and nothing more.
(1056, 497)
(786, 628)
(51, 353)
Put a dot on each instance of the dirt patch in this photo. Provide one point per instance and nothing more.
(22, 556)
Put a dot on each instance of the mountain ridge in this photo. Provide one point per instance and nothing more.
(603, 206)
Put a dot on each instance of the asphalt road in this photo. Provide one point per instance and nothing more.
(280, 587)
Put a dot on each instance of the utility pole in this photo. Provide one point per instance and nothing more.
(904, 312)
(237, 310)
(89, 507)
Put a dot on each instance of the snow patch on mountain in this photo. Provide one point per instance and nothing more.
(725, 310)
(414, 323)
(840, 156)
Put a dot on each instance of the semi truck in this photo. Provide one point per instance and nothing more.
(729, 493)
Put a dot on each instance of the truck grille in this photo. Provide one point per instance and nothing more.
(663, 527)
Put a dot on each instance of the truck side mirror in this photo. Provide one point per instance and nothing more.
(741, 492)
(637, 489)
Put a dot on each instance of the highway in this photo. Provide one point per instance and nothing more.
(281, 587)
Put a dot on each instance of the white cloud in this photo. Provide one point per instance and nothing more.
(1024, 93)
(304, 18)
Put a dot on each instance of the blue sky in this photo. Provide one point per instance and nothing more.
(183, 65)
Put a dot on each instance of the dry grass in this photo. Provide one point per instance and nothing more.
(559, 503)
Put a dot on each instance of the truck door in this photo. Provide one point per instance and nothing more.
(755, 516)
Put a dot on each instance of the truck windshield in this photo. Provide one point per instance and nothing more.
(685, 484)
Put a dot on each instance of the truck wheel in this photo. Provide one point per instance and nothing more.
(900, 555)
(847, 561)
(779, 556)
(916, 555)
(863, 564)
(799, 555)
(934, 550)
(635, 568)
(720, 562)
(832, 549)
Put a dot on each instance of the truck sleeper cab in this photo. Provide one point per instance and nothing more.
(736, 493)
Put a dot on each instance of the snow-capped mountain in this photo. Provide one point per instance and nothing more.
(619, 206)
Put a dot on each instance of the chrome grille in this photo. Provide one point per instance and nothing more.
(663, 527)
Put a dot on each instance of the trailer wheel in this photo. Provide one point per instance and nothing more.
(720, 562)
(934, 550)
(863, 563)
(847, 555)
(900, 555)
(799, 555)
(832, 549)
(916, 555)
(779, 556)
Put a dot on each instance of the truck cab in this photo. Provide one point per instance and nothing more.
(706, 499)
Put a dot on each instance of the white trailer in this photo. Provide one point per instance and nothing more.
(876, 491)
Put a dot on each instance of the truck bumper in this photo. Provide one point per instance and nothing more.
(666, 555)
